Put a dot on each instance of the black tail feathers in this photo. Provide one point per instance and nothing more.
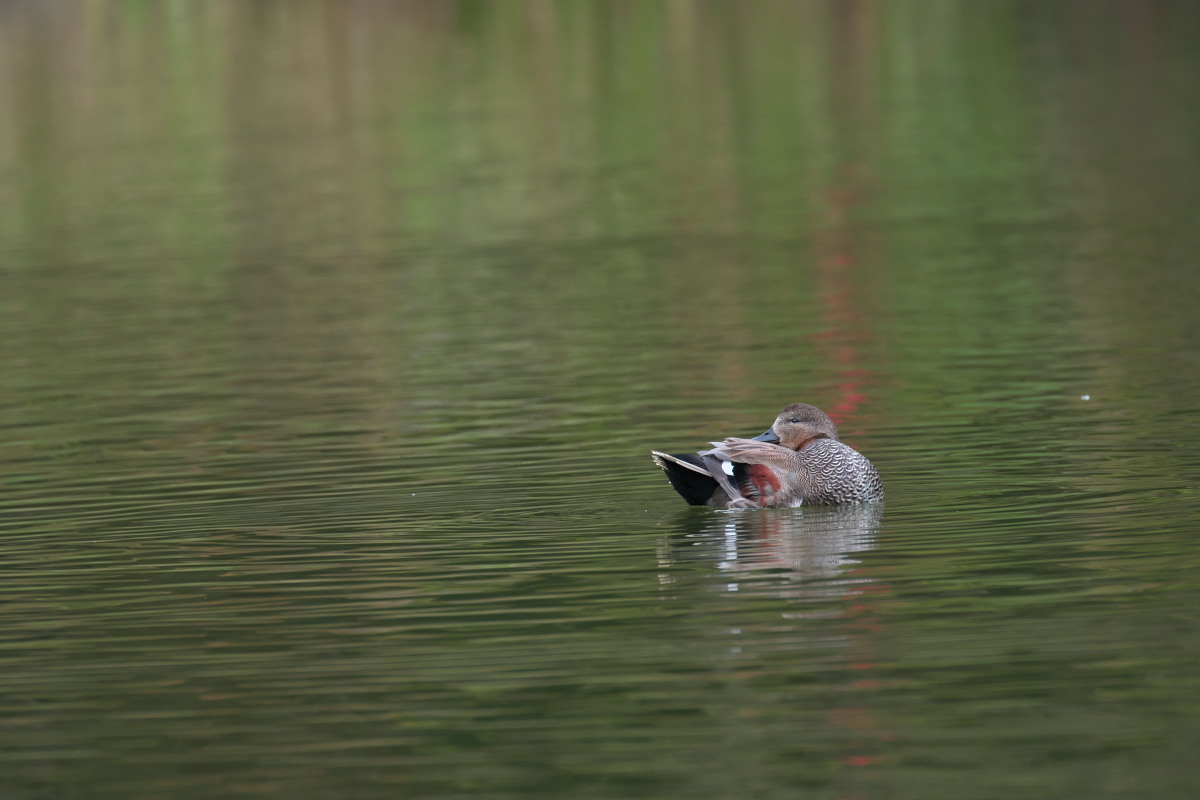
(695, 488)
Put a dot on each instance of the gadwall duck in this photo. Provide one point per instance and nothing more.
(798, 460)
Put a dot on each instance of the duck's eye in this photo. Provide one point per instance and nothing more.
(794, 421)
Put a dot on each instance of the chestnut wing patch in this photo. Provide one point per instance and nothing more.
(764, 479)
(758, 482)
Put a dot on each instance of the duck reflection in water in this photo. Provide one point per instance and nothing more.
(803, 553)
(821, 621)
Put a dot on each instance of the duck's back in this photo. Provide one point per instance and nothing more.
(837, 473)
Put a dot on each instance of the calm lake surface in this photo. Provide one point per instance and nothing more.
(335, 337)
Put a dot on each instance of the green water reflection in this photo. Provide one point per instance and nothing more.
(335, 337)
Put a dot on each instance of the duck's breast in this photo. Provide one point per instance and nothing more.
(837, 473)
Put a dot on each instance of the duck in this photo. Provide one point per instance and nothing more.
(799, 460)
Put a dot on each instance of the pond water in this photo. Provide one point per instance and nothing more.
(336, 337)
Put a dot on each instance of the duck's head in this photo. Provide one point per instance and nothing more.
(798, 425)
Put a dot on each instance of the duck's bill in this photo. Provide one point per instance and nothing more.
(767, 436)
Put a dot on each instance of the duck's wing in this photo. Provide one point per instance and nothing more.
(662, 459)
(717, 468)
(765, 471)
(697, 477)
(749, 451)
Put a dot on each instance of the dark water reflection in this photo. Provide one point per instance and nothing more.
(335, 335)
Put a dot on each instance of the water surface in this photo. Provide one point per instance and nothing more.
(336, 337)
